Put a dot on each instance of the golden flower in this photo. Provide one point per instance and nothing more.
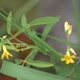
(68, 58)
(68, 28)
(6, 53)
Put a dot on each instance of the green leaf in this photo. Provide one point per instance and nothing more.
(18, 61)
(24, 21)
(19, 32)
(11, 47)
(9, 19)
(32, 54)
(45, 46)
(39, 46)
(44, 20)
(40, 64)
(25, 73)
(47, 30)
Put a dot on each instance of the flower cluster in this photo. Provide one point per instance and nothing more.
(68, 58)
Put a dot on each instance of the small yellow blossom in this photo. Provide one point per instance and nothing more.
(6, 53)
(68, 58)
(68, 28)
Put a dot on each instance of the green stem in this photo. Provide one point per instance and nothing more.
(26, 59)
(68, 43)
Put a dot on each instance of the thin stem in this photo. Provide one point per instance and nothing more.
(26, 59)
(68, 47)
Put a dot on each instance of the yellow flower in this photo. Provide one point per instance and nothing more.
(68, 58)
(6, 53)
(68, 28)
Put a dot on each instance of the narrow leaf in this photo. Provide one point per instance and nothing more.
(45, 46)
(18, 61)
(25, 73)
(19, 32)
(24, 21)
(47, 30)
(40, 64)
(9, 19)
(38, 45)
(32, 54)
(44, 20)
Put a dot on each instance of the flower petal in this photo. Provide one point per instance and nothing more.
(67, 61)
(73, 56)
(72, 61)
(63, 59)
(6, 53)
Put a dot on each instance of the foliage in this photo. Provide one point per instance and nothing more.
(22, 69)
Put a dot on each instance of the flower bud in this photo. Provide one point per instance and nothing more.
(68, 28)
